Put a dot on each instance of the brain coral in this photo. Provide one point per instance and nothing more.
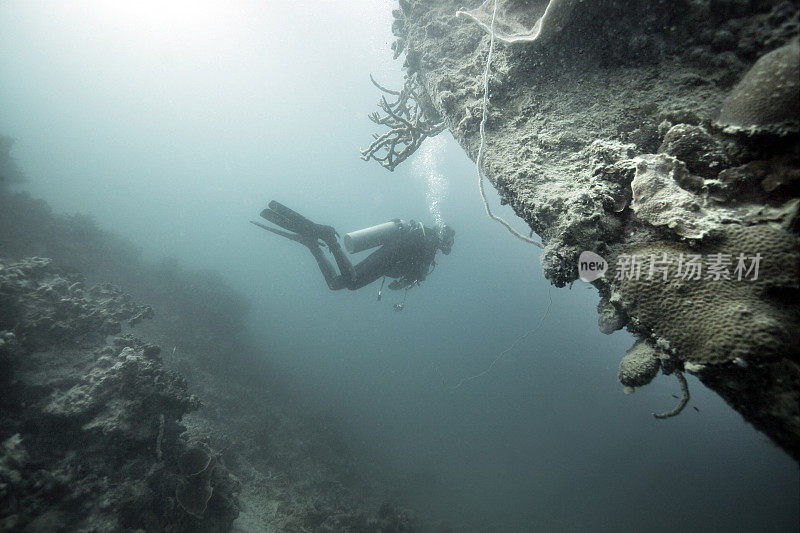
(767, 99)
(718, 320)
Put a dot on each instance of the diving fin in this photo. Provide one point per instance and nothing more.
(299, 223)
(288, 235)
(279, 214)
(280, 220)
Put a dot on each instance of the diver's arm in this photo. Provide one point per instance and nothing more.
(375, 265)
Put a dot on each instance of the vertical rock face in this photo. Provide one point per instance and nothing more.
(608, 137)
(90, 431)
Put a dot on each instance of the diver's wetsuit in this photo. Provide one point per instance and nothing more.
(407, 257)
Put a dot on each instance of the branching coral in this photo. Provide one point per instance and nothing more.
(409, 126)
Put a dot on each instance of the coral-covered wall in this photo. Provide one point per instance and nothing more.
(605, 134)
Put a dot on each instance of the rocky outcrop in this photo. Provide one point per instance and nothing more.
(662, 136)
(52, 306)
(98, 436)
(293, 473)
(91, 431)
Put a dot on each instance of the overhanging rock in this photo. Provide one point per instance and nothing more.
(607, 137)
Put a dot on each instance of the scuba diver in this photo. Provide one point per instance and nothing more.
(406, 253)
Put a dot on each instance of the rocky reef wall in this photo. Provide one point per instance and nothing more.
(91, 431)
(101, 430)
(652, 134)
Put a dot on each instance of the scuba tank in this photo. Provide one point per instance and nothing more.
(364, 239)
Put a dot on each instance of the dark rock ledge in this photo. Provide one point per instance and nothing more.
(652, 129)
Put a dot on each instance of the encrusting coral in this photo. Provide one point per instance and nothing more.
(702, 153)
(659, 199)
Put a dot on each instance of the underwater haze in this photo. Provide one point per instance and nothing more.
(173, 124)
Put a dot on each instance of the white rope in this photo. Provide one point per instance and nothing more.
(479, 160)
(504, 352)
